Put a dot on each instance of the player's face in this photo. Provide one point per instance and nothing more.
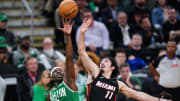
(58, 74)
(105, 65)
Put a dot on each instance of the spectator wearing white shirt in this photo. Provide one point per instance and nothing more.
(49, 55)
(120, 33)
(97, 35)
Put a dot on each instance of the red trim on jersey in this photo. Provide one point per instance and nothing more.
(88, 92)
(115, 98)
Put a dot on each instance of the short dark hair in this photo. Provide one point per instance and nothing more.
(120, 50)
(113, 63)
(124, 65)
(137, 33)
(172, 41)
(142, 18)
(86, 10)
(29, 58)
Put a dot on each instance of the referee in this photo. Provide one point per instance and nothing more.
(166, 70)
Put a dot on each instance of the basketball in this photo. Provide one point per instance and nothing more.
(68, 9)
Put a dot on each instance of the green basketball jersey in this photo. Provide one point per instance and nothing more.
(63, 93)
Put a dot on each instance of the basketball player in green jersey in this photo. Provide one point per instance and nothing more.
(64, 87)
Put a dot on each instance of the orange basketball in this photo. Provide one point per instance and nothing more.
(68, 9)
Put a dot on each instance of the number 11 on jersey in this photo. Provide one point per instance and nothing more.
(109, 95)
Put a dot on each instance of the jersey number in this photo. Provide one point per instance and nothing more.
(109, 95)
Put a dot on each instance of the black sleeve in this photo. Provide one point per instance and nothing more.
(155, 62)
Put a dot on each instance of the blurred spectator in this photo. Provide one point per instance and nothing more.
(4, 55)
(2, 89)
(136, 63)
(171, 29)
(134, 53)
(49, 54)
(175, 4)
(130, 81)
(27, 79)
(136, 42)
(126, 4)
(120, 32)
(97, 35)
(109, 13)
(7, 69)
(120, 57)
(150, 4)
(24, 50)
(80, 82)
(97, 5)
(138, 11)
(160, 14)
(41, 89)
(166, 70)
(3, 32)
(149, 34)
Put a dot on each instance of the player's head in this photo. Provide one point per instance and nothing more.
(57, 74)
(107, 65)
(171, 48)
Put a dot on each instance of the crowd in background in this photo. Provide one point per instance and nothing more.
(138, 34)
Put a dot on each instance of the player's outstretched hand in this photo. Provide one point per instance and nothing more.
(67, 26)
(85, 25)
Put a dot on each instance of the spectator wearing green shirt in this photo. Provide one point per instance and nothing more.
(130, 81)
(41, 90)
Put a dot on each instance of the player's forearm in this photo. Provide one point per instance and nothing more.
(145, 97)
(81, 43)
(70, 75)
(69, 49)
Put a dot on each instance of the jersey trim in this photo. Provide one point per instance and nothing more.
(69, 87)
(88, 92)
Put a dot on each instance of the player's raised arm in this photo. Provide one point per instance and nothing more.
(69, 76)
(88, 64)
(140, 96)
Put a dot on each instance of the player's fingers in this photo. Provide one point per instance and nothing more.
(63, 21)
(69, 21)
(73, 23)
(66, 21)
